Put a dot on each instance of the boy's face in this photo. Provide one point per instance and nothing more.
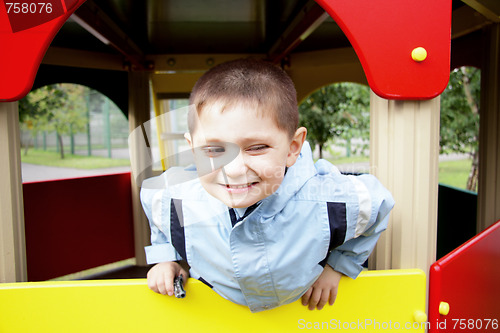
(258, 168)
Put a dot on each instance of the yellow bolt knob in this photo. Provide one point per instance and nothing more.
(419, 54)
(419, 316)
(444, 308)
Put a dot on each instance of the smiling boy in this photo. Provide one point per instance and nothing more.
(262, 225)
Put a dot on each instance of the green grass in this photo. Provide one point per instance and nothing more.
(337, 160)
(48, 158)
(455, 173)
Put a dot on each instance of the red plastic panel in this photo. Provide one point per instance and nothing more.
(76, 224)
(26, 31)
(468, 279)
(384, 34)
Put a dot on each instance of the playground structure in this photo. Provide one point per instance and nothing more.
(387, 38)
(128, 306)
(463, 286)
(376, 301)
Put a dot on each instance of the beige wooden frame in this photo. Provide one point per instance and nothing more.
(404, 153)
(12, 241)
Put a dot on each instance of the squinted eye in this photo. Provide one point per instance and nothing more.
(257, 148)
(213, 151)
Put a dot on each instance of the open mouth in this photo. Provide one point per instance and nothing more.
(239, 188)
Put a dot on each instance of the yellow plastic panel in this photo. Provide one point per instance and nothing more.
(376, 301)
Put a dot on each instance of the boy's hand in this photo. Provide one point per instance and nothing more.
(161, 277)
(323, 290)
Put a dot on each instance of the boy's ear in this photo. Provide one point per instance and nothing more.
(187, 136)
(296, 146)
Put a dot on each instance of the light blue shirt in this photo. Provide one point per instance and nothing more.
(275, 253)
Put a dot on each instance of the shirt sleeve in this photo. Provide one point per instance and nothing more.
(364, 227)
(156, 204)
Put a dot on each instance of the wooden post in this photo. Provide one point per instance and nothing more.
(489, 132)
(138, 115)
(12, 241)
(404, 153)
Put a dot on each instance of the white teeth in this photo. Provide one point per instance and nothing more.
(238, 186)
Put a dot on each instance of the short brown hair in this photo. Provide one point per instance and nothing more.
(256, 82)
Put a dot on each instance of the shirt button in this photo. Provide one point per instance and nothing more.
(322, 167)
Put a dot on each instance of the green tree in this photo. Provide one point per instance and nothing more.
(35, 109)
(460, 117)
(58, 107)
(339, 110)
(71, 116)
(357, 111)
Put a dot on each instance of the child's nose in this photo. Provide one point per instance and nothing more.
(237, 167)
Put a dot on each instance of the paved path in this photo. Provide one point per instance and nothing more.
(34, 173)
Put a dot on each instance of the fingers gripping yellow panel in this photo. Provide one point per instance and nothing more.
(376, 301)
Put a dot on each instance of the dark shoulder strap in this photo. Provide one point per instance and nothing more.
(177, 227)
(338, 226)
